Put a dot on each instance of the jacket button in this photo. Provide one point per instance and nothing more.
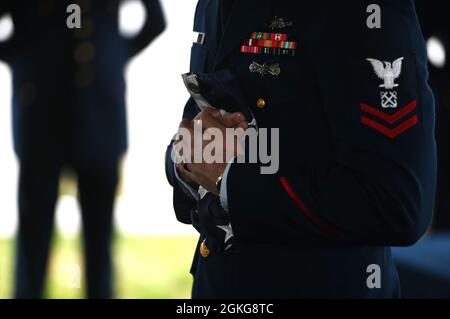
(261, 103)
(204, 250)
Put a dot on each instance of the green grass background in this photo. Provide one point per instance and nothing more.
(145, 267)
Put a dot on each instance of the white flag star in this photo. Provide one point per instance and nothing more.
(228, 232)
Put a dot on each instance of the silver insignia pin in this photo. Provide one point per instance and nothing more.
(279, 23)
(265, 69)
(388, 72)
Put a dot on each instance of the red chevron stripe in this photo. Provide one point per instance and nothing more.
(391, 119)
(391, 133)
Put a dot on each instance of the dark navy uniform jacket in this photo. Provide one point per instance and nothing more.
(357, 165)
(68, 83)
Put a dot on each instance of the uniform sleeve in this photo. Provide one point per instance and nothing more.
(154, 26)
(378, 186)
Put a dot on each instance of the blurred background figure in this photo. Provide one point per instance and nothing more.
(424, 269)
(69, 110)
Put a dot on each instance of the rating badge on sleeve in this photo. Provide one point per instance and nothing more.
(388, 72)
(391, 117)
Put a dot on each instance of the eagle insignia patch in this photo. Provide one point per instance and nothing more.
(387, 71)
(391, 120)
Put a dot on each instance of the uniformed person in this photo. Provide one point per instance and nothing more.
(69, 109)
(435, 24)
(357, 150)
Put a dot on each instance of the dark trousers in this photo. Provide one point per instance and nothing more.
(38, 192)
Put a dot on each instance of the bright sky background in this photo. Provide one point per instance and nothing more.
(156, 97)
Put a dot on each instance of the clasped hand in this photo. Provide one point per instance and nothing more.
(205, 145)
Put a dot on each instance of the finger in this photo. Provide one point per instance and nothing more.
(212, 111)
(177, 140)
(209, 121)
(206, 112)
(240, 122)
(235, 120)
(243, 125)
(185, 123)
(189, 174)
(182, 168)
(183, 151)
(217, 115)
(184, 173)
(185, 135)
(188, 151)
(196, 171)
(212, 122)
(177, 157)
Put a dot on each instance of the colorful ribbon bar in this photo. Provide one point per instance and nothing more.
(250, 49)
(269, 36)
(271, 44)
(268, 51)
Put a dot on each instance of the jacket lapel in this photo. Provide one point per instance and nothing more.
(245, 17)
